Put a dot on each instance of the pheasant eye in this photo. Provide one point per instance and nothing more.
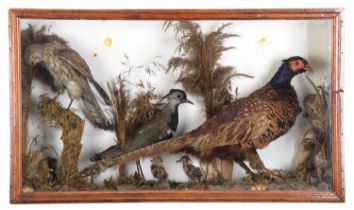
(297, 62)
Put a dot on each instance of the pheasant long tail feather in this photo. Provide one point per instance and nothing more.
(165, 146)
(94, 112)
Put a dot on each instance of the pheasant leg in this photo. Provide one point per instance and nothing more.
(257, 164)
(246, 168)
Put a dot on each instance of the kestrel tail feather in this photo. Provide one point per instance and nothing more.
(100, 90)
(94, 112)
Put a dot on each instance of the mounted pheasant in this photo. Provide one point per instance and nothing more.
(238, 129)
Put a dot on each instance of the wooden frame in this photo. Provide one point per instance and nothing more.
(17, 195)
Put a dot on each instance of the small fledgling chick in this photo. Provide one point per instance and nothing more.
(157, 169)
(194, 173)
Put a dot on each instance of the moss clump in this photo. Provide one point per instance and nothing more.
(36, 171)
(131, 182)
(72, 126)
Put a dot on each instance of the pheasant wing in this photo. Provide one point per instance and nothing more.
(249, 127)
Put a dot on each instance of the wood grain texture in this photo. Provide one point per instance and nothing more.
(18, 118)
(189, 14)
(16, 125)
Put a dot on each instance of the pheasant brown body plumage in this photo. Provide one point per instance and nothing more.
(242, 127)
(251, 122)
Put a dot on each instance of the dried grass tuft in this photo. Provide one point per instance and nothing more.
(130, 113)
(202, 73)
(120, 103)
(36, 171)
(141, 110)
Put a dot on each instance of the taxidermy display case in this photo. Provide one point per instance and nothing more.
(176, 105)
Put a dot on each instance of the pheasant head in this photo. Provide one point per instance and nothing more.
(290, 68)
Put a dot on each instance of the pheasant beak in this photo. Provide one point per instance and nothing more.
(308, 68)
(188, 101)
(178, 161)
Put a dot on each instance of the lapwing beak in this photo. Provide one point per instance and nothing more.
(188, 101)
(162, 98)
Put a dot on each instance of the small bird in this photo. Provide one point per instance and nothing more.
(321, 162)
(194, 173)
(158, 170)
(70, 72)
(311, 153)
(241, 127)
(52, 165)
(159, 128)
